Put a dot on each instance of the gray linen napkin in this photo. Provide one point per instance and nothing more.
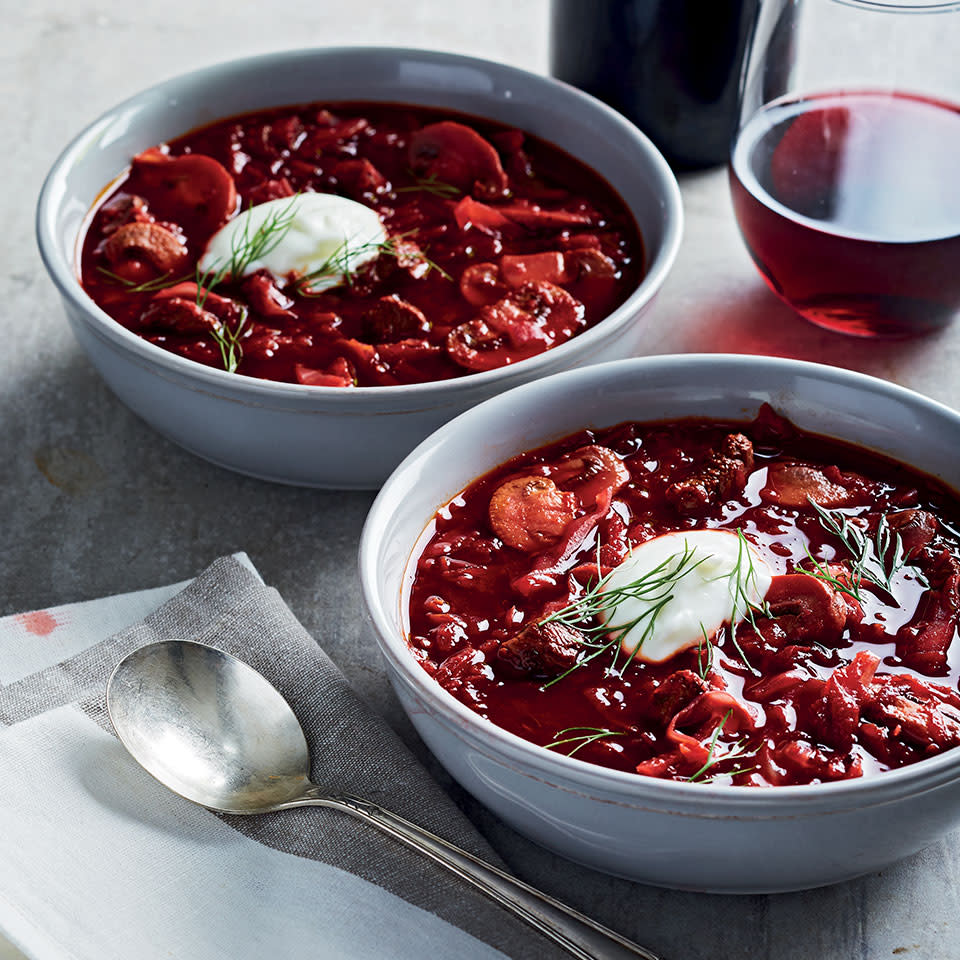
(354, 751)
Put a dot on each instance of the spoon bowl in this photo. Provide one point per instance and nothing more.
(209, 727)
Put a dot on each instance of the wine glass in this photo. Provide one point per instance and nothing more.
(846, 188)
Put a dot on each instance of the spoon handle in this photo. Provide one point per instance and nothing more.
(579, 935)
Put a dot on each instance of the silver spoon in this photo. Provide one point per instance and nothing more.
(215, 731)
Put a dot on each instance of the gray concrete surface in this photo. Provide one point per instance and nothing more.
(93, 502)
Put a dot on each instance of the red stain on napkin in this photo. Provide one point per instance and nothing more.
(38, 622)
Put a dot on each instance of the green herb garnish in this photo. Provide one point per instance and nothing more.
(742, 581)
(590, 735)
(876, 561)
(146, 286)
(228, 340)
(431, 184)
(737, 749)
(704, 644)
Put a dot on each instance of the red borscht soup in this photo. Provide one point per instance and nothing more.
(359, 244)
(701, 601)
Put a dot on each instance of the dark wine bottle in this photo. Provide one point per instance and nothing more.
(672, 66)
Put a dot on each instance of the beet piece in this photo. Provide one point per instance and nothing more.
(534, 267)
(836, 713)
(915, 712)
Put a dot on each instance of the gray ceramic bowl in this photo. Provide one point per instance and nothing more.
(325, 436)
(691, 836)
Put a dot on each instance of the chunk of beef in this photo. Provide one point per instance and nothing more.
(724, 473)
(679, 690)
(542, 649)
(916, 529)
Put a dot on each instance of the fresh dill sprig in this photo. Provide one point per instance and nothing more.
(146, 286)
(591, 735)
(737, 750)
(821, 572)
(431, 184)
(589, 613)
(704, 644)
(246, 246)
(876, 561)
(339, 262)
(228, 340)
(742, 580)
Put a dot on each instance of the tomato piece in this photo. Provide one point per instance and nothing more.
(340, 373)
(527, 513)
(534, 267)
(469, 212)
(481, 285)
(806, 163)
(147, 242)
(193, 185)
(458, 155)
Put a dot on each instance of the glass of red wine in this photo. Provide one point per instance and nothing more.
(847, 187)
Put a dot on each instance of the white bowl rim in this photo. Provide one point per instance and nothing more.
(643, 791)
(434, 392)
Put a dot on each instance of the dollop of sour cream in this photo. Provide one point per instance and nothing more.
(708, 575)
(310, 233)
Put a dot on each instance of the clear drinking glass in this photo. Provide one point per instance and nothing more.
(847, 188)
